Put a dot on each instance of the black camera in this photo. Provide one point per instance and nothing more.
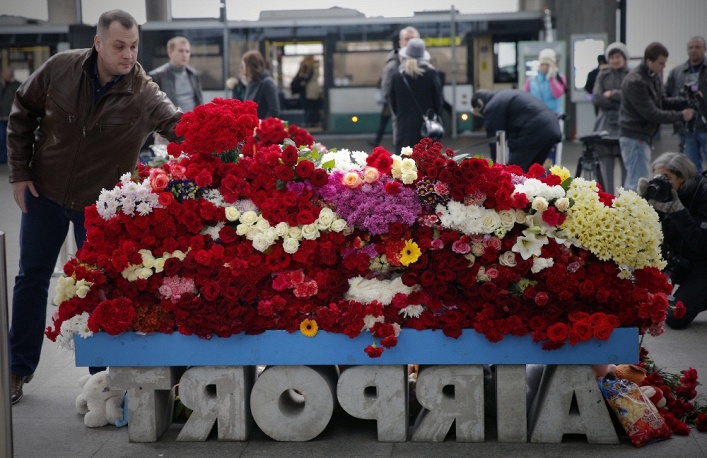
(692, 90)
(660, 189)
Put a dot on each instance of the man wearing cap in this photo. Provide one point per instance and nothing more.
(531, 127)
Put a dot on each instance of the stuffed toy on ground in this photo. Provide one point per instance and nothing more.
(99, 404)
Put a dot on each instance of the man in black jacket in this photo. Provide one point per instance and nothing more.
(177, 78)
(643, 109)
(531, 127)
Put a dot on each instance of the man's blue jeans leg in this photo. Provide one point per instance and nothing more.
(636, 155)
(43, 230)
(696, 148)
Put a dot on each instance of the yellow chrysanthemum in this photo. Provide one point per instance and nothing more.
(628, 232)
(561, 172)
(409, 253)
(309, 327)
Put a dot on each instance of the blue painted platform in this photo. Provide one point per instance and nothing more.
(283, 348)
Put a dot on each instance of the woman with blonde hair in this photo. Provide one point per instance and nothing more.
(260, 87)
(415, 91)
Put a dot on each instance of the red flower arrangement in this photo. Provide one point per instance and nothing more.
(683, 405)
(250, 226)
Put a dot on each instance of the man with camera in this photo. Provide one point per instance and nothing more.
(679, 195)
(643, 108)
(690, 80)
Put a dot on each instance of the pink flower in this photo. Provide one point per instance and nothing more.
(352, 180)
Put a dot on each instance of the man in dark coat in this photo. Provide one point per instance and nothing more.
(531, 127)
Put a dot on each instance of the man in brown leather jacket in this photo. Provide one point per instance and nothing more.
(76, 125)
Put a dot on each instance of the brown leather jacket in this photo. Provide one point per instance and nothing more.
(71, 147)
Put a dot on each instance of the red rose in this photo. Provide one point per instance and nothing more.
(603, 331)
(557, 332)
(304, 169)
(452, 330)
(165, 198)
(290, 155)
(541, 299)
(319, 178)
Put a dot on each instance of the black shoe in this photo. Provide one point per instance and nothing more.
(18, 382)
(373, 143)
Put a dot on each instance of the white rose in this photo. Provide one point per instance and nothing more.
(242, 229)
(282, 229)
(406, 151)
(540, 204)
(490, 222)
(338, 225)
(325, 219)
(508, 259)
(249, 217)
(562, 204)
(310, 232)
(296, 232)
(232, 214)
(508, 218)
(290, 245)
(261, 242)
(262, 224)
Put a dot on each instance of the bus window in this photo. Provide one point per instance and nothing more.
(505, 70)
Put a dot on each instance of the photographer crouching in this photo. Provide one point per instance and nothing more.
(679, 195)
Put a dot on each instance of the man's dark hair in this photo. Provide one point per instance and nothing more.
(109, 17)
(655, 50)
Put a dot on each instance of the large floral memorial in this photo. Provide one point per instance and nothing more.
(249, 226)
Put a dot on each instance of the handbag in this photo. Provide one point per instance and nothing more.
(431, 123)
(432, 126)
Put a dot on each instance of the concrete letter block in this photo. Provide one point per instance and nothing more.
(450, 395)
(217, 394)
(511, 419)
(559, 385)
(377, 393)
(149, 401)
(294, 403)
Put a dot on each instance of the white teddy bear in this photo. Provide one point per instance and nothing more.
(98, 402)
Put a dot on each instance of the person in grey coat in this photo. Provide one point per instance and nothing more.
(260, 87)
(606, 95)
(531, 127)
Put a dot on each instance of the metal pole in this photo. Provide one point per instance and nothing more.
(5, 405)
(454, 72)
(501, 147)
(226, 52)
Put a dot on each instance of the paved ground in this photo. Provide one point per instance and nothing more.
(45, 422)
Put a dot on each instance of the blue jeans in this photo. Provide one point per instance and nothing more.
(43, 230)
(3, 142)
(636, 155)
(696, 147)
